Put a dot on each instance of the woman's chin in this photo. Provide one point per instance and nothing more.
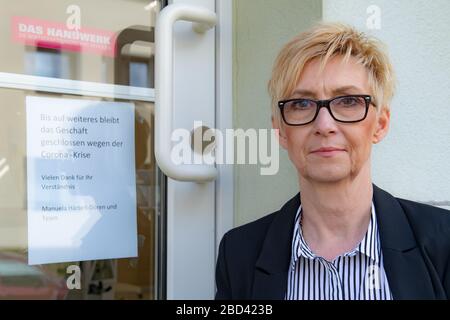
(328, 175)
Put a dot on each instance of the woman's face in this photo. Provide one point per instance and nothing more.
(353, 141)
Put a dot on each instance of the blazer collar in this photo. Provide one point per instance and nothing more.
(273, 262)
(403, 262)
(404, 265)
(395, 232)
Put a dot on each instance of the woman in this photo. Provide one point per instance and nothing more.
(341, 237)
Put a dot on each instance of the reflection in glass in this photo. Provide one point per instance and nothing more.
(47, 63)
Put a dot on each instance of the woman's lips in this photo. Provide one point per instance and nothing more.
(327, 152)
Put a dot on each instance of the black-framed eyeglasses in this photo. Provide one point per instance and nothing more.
(347, 109)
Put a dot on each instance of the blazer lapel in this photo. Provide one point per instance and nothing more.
(403, 263)
(271, 274)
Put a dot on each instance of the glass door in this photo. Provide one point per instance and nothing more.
(94, 55)
(85, 211)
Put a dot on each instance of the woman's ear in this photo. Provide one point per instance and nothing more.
(277, 126)
(383, 121)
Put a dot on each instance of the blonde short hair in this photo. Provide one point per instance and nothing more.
(324, 41)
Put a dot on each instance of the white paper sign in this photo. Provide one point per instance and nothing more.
(81, 180)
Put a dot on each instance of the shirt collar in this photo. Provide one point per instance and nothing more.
(370, 244)
(300, 247)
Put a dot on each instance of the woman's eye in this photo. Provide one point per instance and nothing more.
(349, 101)
(302, 104)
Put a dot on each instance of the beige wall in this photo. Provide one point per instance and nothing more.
(261, 27)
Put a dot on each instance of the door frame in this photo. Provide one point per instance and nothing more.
(198, 214)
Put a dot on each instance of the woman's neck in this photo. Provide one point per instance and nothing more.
(335, 216)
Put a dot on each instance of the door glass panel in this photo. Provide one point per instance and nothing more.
(105, 41)
(78, 40)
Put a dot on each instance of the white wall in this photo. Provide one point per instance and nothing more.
(414, 160)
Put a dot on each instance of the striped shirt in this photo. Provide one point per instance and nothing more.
(355, 275)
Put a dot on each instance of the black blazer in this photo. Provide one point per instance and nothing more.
(254, 258)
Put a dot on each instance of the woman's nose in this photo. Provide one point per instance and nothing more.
(324, 123)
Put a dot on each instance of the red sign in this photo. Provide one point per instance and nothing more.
(54, 35)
